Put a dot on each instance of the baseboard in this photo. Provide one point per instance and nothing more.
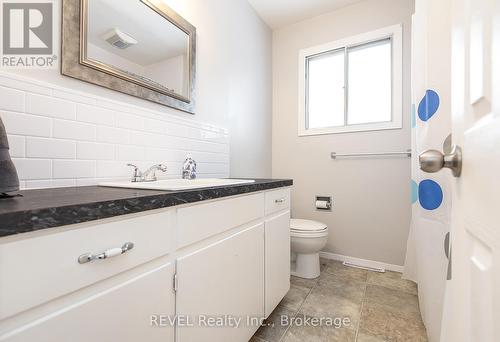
(361, 262)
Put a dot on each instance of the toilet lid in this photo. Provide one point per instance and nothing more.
(307, 225)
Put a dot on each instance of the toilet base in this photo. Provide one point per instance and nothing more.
(306, 266)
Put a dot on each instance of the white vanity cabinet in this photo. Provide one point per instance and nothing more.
(47, 295)
(41, 266)
(121, 312)
(192, 265)
(277, 259)
(277, 247)
(225, 278)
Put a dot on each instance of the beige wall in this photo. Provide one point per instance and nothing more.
(371, 212)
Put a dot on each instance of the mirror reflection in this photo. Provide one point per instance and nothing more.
(130, 39)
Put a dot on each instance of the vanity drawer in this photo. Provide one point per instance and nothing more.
(37, 269)
(201, 221)
(277, 200)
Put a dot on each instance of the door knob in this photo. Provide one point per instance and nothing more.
(432, 161)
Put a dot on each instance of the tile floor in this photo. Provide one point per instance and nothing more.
(380, 306)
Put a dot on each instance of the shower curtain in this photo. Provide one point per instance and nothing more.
(426, 261)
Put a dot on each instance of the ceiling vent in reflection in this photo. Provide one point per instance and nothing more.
(119, 39)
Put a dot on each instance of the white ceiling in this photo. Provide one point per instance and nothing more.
(279, 13)
(157, 38)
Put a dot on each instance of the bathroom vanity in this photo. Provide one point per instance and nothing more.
(106, 264)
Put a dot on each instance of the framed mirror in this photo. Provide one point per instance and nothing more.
(139, 47)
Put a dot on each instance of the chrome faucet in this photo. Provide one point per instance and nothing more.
(147, 176)
(137, 176)
(150, 174)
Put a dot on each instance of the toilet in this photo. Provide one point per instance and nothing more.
(307, 239)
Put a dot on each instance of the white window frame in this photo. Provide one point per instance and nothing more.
(394, 32)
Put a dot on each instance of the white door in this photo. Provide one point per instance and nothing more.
(472, 300)
(220, 284)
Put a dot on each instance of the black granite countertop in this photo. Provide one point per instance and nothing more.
(47, 208)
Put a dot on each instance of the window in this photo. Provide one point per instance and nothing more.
(352, 85)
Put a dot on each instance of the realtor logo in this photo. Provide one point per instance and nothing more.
(27, 28)
(27, 34)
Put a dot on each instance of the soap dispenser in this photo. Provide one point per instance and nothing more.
(189, 168)
(9, 181)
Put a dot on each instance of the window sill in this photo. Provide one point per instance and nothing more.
(350, 129)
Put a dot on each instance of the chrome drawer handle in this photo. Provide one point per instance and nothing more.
(88, 257)
(279, 200)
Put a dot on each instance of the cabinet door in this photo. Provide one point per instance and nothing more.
(277, 256)
(223, 281)
(121, 313)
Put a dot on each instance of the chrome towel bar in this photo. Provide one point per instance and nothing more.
(407, 153)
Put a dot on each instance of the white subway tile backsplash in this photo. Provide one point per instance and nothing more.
(25, 124)
(165, 155)
(28, 169)
(93, 114)
(73, 130)
(73, 97)
(96, 181)
(203, 146)
(50, 106)
(59, 137)
(50, 148)
(113, 169)
(95, 151)
(214, 137)
(155, 126)
(74, 168)
(17, 145)
(174, 170)
(211, 167)
(50, 183)
(114, 106)
(11, 99)
(113, 135)
(129, 121)
(180, 131)
(15, 82)
(130, 153)
(148, 139)
(210, 157)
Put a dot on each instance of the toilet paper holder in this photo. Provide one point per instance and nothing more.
(323, 203)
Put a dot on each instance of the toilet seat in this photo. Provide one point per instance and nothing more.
(308, 234)
(307, 228)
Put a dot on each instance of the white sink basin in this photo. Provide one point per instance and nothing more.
(178, 184)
